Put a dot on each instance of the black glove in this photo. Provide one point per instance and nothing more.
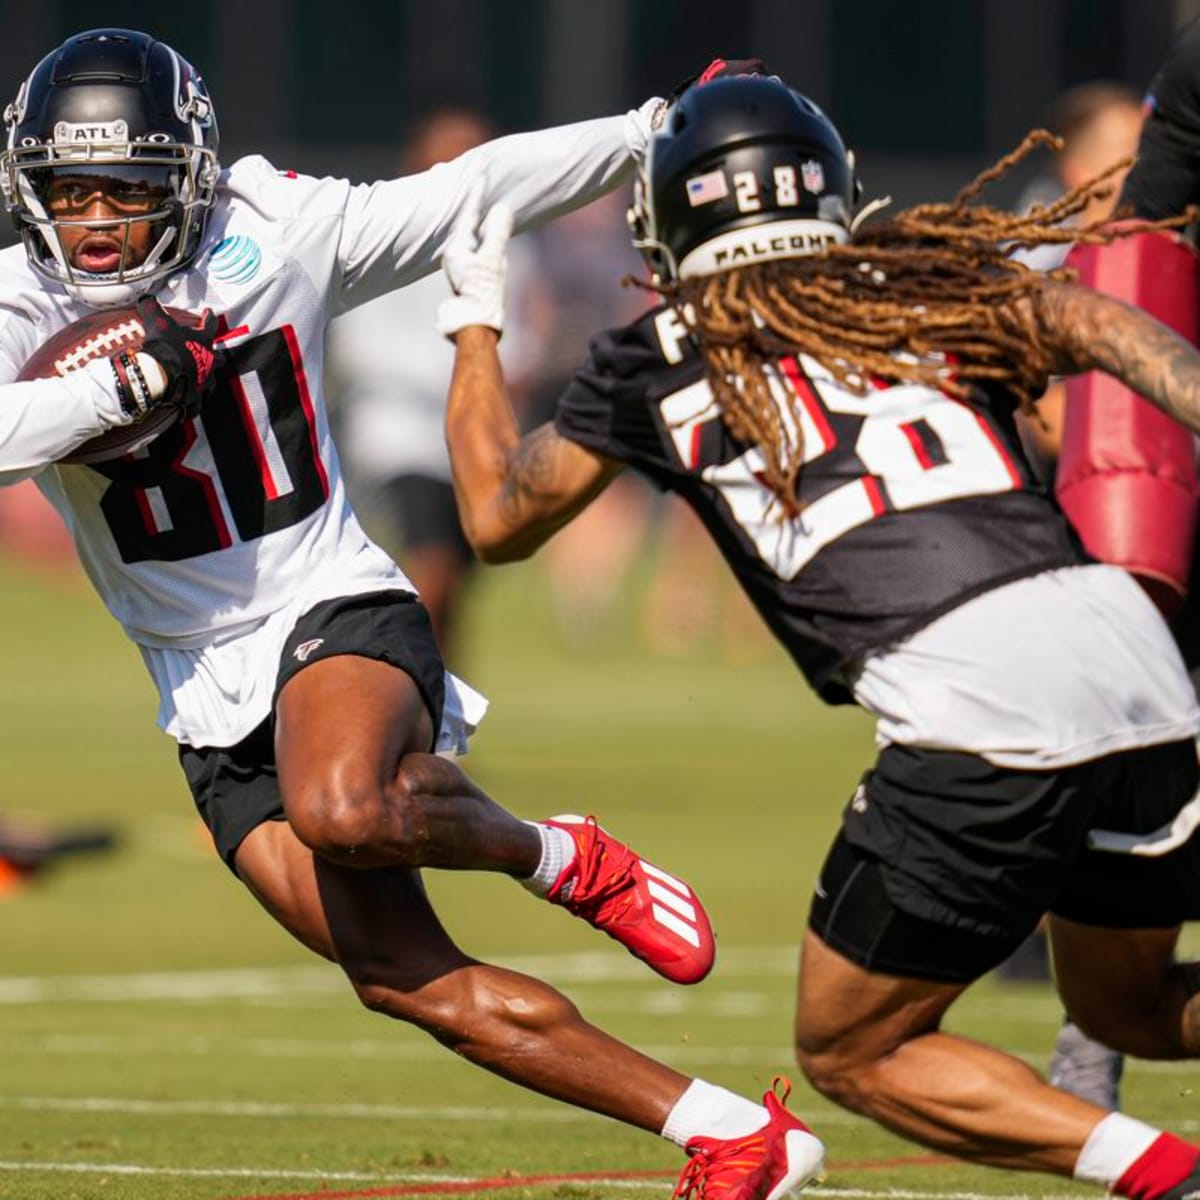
(720, 68)
(186, 355)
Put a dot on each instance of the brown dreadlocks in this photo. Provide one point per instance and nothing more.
(932, 286)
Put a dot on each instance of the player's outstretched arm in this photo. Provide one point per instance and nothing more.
(513, 492)
(1098, 333)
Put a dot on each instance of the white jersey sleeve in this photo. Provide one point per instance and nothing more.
(394, 231)
(361, 241)
(43, 419)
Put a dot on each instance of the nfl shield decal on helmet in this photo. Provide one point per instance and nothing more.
(812, 174)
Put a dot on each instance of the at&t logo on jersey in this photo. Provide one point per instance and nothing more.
(235, 259)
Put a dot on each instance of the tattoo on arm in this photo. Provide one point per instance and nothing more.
(548, 480)
(1099, 333)
(532, 471)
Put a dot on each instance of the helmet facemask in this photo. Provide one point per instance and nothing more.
(111, 157)
(643, 226)
(115, 190)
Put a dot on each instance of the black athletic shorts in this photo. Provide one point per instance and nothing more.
(236, 788)
(945, 863)
(426, 514)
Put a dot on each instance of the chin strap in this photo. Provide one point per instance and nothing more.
(869, 210)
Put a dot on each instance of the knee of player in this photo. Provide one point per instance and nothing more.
(833, 1072)
(339, 818)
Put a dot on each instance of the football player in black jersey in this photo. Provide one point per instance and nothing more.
(836, 402)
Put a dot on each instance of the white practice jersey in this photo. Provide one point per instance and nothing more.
(1000, 676)
(200, 538)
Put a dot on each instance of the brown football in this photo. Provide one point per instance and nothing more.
(102, 334)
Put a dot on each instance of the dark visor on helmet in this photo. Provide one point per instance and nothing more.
(69, 191)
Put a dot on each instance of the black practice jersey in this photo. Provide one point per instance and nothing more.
(1166, 177)
(910, 501)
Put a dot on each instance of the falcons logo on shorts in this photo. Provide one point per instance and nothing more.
(303, 650)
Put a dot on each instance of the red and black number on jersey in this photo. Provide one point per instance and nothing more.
(909, 501)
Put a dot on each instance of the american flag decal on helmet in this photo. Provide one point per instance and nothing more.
(704, 189)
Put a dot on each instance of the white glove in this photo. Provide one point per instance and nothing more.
(641, 124)
(475, 264)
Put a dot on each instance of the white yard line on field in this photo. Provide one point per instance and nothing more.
(818, 1112)
(270, 982)
(458, 1183)
(211, 1172)
(403, 1049)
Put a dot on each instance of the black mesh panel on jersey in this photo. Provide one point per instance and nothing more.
(898, 568)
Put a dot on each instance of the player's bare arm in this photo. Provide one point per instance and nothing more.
(513, 492)
(1097, 332)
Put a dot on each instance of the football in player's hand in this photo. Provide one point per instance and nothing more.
(102, 334)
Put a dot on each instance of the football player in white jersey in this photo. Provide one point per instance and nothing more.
(295, 666)
(836, 402)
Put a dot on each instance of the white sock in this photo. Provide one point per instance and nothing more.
(708, 1111)
(558, 851)
(1113, 1146)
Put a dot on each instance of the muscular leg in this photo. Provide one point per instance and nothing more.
(379, 927)
(359, 789)
(872, 1043)
(1123, 987)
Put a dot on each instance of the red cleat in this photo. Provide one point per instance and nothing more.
(655, 916)
(775, 1161)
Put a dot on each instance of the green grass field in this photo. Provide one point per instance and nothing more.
(160, 1037)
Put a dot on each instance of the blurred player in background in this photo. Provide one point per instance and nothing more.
(1165, 180)
(1098, 123)
(294, 664)
(27, 850)
(389, 370)
(1037, 727)
(1128, 482)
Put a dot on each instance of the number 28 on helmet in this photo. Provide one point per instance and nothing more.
(745, 170)
(110, 166)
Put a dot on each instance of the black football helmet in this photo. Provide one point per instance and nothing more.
(744, 170)
(116, 112)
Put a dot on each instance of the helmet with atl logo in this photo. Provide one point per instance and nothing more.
(110, 166)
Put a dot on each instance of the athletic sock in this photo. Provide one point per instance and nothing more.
(1134, 1159)
(705, 1110)
(558, 852)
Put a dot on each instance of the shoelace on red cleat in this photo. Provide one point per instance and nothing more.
(704, 1171)
(598, 878)
(742, 1156)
